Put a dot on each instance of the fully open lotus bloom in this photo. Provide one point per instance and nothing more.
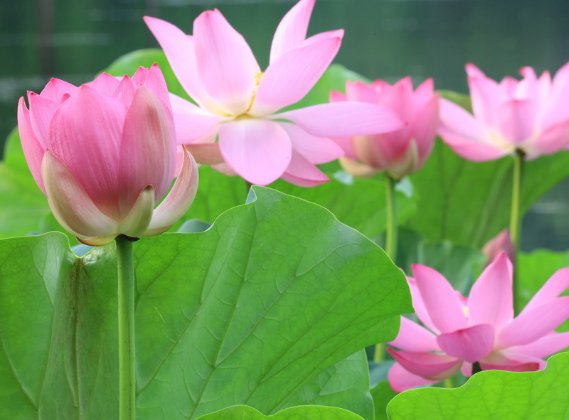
(399, 152)
(105, 154)
(530, 115)
(238, 124)
(459, 331)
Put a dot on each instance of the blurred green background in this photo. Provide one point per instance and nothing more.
(388, 39)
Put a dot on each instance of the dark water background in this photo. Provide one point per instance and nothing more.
(74, 39)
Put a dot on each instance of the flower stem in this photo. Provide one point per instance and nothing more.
(515, 215)
(126, 288)
(390, 242)
(391, 220)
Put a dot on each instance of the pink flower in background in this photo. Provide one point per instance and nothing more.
(459, 331)
(239, 125)
(399, 152)
(105, 153)
(502, 242)
(530, 115)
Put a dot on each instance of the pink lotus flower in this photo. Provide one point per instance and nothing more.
(238, 124)
(399, 152)
(104, 154)
(458, 331)
(530, 115)
(502, 242)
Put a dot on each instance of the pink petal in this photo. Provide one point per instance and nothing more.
(289, 78)
(72, 206)
(441, 300)
(315, 149)
(553, 139)
(56, 90)
(544, 346)
(402, 380)
(226, 64)
(419, 305)
(490, 300)
(301, 172)
(557, 284)
(485, 94)
(412, 337)
(154, 80)
(466, 136)
(357, 168)
(516, 120)
(337, 97)
(469, 344)
(292, 29)
(342, 119)
(180, 52)
(425, 126)
(148, 149)
(535, 323)
(135, 223)
(206, 153)
(178, 199)
(85, 136)
(512, 362)
(105, 84)
(193, 124)
(42, 111)
(258, 150)
(428, 365)
(362, 92)
(33, 148)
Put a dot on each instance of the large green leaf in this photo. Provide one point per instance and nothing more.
(263, 309)
(468, 203)
(382, 394)
(242, 412)
(492, 395)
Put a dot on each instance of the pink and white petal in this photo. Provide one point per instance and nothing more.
(357, 168)
(226, 64)
(419, 305)
(516, 120)
(544, 346)
(33, 148)
(292, 29)
(137, 220)
(535, 323)
(259, 151)
(289, 78)
(85, 135)
(105, 84)
(154, 80)
(147, 151)
(412, 337)
(553, 287)
(315, 149)
(470, 344)
(71, 204)
(428, 365)
(57, 90)
(193, 124)
(401, 380)
(344, 119)
(512, 362)
(206, 153)
(41, 114)
(302, 172)
(466, 369)
(424, 93)
(362, 92)
(179, 199)
(552, 140)
(180, 52)
(466, 135)
(337, 96)
(125, 91)
(424, 127)
(485, 93)
(441, 300)
(491, 298)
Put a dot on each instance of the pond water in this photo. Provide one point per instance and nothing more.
(74, 39)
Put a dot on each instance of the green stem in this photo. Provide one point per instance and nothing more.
(391, 220)
(390, 242)
(515, 215)
(126, 288)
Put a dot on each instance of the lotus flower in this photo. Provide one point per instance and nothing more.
(502, 242)
(399, 152)
(105, 153)
(239, 125)
(460, 331)
(530, 116)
